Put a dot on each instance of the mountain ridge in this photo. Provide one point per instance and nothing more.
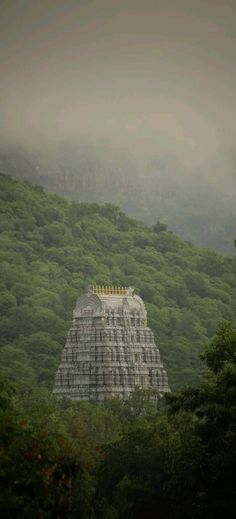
(191, 203)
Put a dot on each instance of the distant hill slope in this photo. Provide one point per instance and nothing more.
(51, 249)
(194, 207)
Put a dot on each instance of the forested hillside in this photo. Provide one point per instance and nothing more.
(51, 249)
(195, 204)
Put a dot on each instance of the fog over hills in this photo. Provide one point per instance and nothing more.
(129, 102)
(196, 208)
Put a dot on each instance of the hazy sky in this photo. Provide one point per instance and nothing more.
(157, 77)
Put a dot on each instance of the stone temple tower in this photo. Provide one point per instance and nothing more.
(110, 350)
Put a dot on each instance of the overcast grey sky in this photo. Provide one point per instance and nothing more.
(155, 77)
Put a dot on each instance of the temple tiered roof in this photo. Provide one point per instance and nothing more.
(110, 350)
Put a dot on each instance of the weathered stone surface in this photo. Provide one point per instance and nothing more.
(110, 350)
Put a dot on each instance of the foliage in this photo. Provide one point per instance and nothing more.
(123, 459)
(183, 464)
(41, 471)
(51, 249)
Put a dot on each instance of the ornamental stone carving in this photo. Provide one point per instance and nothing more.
(109, 350)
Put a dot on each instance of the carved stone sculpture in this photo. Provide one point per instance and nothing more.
(110, 350)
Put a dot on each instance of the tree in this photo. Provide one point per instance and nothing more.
(213, 405)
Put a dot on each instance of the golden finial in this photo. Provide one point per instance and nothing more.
(109, 290)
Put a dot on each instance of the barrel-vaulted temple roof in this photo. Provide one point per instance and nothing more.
(105, 299)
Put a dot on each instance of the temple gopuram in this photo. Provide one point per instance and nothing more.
(109, 350)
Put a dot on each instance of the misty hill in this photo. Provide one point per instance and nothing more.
(193, 205)
(51, 249)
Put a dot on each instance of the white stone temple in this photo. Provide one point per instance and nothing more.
(109, 350)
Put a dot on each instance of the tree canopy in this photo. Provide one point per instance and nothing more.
(51, 249)
(174, 458)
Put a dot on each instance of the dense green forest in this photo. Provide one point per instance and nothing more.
(132, 459)
(51, 249)
(192, 203)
